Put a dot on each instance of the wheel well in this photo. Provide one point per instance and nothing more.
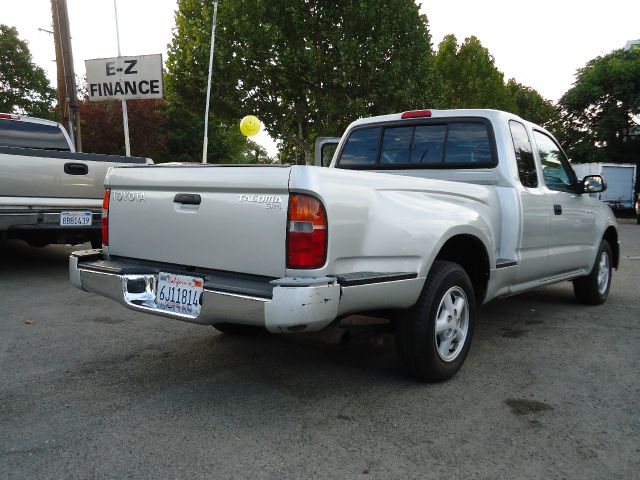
(611, 236)
(469, 252)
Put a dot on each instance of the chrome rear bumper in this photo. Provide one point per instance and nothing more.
(290, 305)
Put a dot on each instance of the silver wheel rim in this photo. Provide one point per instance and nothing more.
(452, 324)
(603, 273)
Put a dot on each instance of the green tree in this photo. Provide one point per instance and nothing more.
(24, 87)
(310, 68)
(254, 153)
(602, 109)
(186, 89)
(532, 106)
(469, 77)
(304, 68)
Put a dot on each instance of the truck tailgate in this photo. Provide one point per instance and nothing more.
(230, 218)
(33, 173)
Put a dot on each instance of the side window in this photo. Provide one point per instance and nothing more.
(524, 154)
(556, 171)
(362, 147)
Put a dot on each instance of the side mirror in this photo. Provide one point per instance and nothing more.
(594, 184)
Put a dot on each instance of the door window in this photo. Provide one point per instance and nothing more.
(556, 170)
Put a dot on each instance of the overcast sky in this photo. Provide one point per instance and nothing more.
(540, 43)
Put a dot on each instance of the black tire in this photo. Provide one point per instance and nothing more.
(239, 330)
(416, 339)
(587, 289)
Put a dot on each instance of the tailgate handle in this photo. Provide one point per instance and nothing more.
(76, 169)
(187, 198)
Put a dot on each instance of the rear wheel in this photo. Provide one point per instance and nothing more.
(433, 338)
(239, 330)
(594, 288)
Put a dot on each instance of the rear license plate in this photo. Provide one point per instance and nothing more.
(75, 219)
(179, 293)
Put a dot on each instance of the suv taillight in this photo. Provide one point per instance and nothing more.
(306, 232)
(105, 216)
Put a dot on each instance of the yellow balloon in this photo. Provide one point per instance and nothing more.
(250, 125)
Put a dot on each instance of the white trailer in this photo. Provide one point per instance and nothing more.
(620, 179)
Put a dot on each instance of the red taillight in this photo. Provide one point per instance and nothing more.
(416, 114)
(306, 232)
(105, 216)
(9, 116)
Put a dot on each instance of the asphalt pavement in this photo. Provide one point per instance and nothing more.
(90, 390)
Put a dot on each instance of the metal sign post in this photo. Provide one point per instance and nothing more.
(206, 110)
(125, 114)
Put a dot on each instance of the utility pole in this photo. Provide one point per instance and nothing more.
(67, 96)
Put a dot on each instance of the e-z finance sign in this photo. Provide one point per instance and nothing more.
(124, 78)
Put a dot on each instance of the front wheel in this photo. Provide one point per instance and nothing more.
(594, 288)
(433, 338)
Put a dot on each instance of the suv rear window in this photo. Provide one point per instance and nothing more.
(15, 133)
(438, 144)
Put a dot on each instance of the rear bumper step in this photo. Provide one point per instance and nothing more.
(231, 283)
(281, 305)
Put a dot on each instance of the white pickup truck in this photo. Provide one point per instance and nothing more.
(48, 192)
(421, 215)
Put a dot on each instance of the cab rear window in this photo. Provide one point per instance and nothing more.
(16, 133)
(437, 144)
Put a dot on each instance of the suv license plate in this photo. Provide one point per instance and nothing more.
(74, 219)
(179, 293)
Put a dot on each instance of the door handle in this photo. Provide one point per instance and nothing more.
(557, 209)
(187, 198)
(76, 169)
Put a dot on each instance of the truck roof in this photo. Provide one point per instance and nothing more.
(23, 118)
(432, 113)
